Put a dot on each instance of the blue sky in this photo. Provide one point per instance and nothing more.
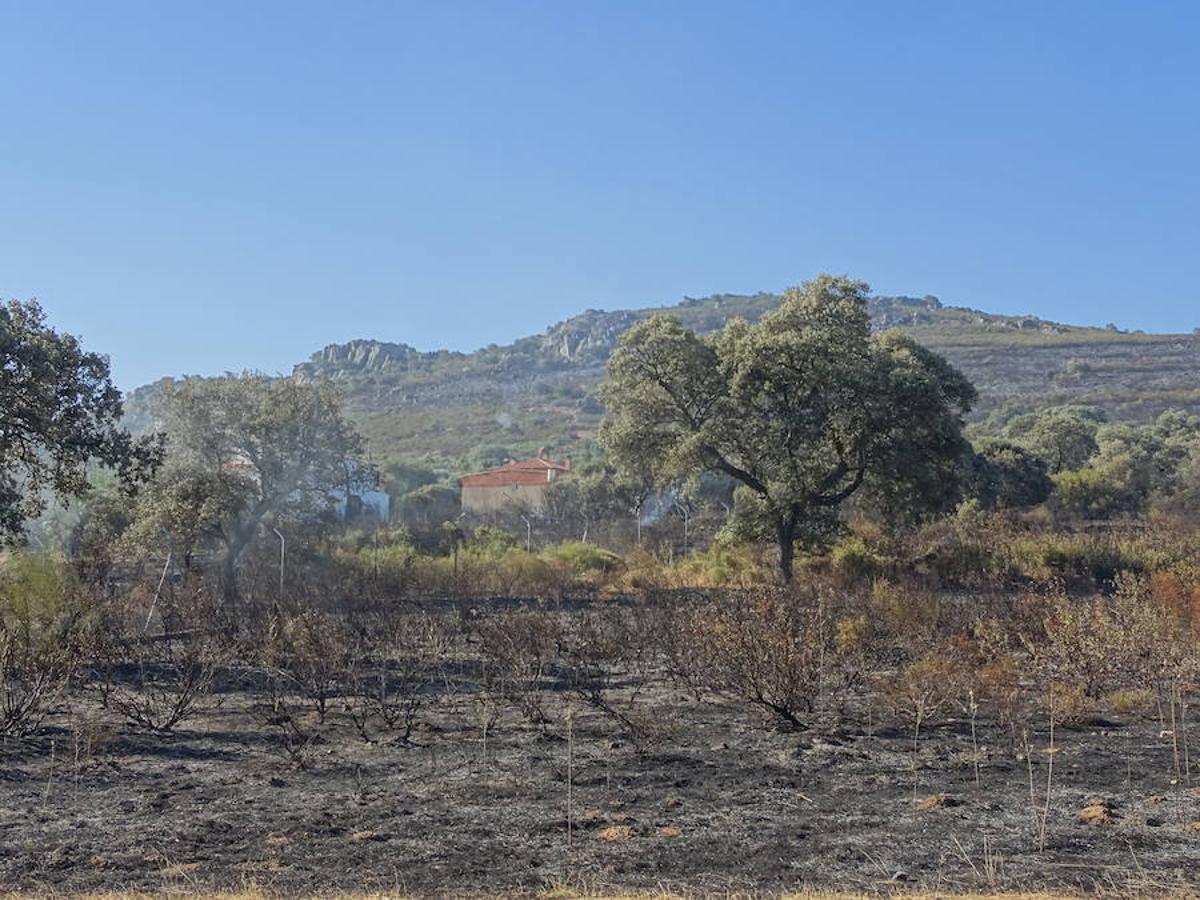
(199, 187)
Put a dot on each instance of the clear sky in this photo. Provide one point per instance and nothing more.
(205, 186)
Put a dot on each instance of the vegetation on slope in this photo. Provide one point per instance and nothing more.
(541, 390)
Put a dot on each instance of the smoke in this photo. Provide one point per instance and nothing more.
(656, 506)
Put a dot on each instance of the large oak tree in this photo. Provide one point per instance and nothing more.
(59, 415)
(805, 409)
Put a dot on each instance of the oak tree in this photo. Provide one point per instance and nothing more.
(59, 415)
(247, 452)
(804, 409)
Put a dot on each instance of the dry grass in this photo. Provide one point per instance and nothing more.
(615, 834)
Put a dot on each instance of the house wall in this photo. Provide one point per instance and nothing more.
(499, 498)
(374, 505)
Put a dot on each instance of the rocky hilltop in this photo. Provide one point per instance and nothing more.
(363, 355)
(590, 336)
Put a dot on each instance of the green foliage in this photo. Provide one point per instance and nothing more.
(1092, 559)
(465, 435)
(1100, 491)
(1099, 561)
(38, 598)
(1003, 475)
(492, 542)
(392, 568)
(596, 493)
(916, 462)
(105, 516)
(186, 509)
(400, 477)
(245, 450)
(489, 456)
(1063, 436)
(58, 413)
(853, 559)
(40, 617)
(722, 564)
(804, 409)
(750, 520)
(1184, 501)
(287, 434)
(1133, 466)
(580, 558)
(428, 505)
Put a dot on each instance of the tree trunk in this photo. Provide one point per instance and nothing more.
(229, 584)
(785, 531)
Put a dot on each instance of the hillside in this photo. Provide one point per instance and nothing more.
(540, 390)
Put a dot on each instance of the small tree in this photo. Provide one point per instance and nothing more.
(1064, 436)
(246, 450)
(803, 409)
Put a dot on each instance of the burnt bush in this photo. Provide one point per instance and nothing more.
(778, 652)
(157, 680)
(519, 647)
(396, 668)
(611, 655)
(303, 653)
(32, 679)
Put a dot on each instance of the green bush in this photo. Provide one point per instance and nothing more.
(721, 565)
(391, 565)
(492, 543)
(853, 559)
(39, 617)
(580, 558)
(1098, 558)
(1099, 492)
(38, 597)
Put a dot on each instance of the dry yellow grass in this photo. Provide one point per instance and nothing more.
(178, 870)
(615, 833)
(1098, 813)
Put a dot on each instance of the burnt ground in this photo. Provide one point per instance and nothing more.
(725, 805)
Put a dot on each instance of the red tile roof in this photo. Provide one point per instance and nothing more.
(524, 471)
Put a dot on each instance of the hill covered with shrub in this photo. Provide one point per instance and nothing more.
(541, 390)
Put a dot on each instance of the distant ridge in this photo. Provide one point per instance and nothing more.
(540, 390)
